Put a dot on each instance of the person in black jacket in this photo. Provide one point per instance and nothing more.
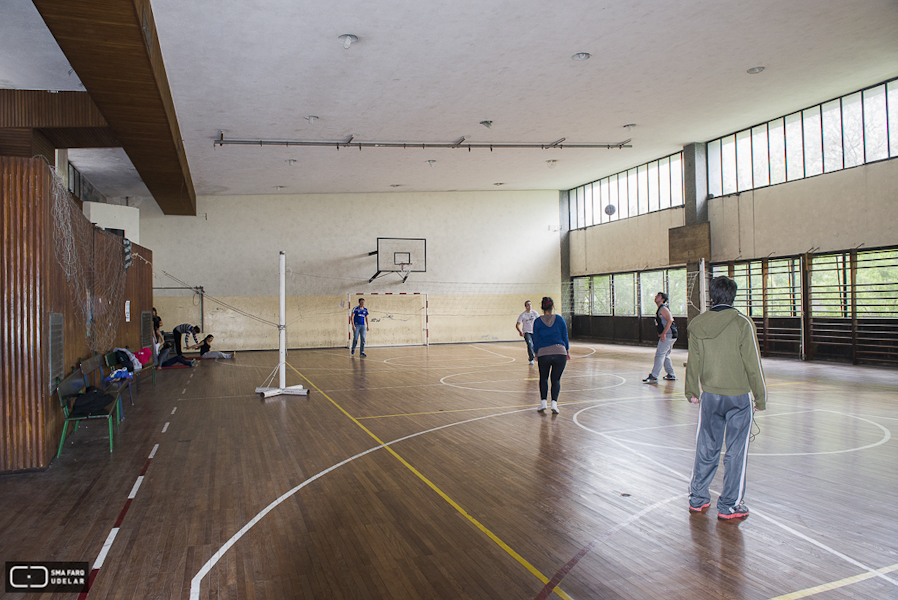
(667, 337)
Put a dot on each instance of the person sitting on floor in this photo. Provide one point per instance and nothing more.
(167, 360)
(205, 352)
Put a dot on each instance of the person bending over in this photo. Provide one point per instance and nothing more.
(182, 330)
(552, 352)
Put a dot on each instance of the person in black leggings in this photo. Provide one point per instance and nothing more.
(552, 353)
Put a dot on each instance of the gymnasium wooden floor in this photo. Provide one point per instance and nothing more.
(427, 473)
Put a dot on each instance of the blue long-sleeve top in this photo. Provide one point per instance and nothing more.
(544, 336)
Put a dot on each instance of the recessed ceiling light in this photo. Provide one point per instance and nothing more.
(311, 118)
(290, 161)
(629, 126)
(395, 185)
(431, 161)
(581, 56)
(487, 124)
(498, 184)
(755, 70)
(551, 163)
(278, 187)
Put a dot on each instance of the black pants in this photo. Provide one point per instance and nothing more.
(554, 363)
(178, 335)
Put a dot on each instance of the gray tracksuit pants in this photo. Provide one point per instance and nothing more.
(721, 416)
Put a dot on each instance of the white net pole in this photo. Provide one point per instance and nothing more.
(282, 323)
(703, 287)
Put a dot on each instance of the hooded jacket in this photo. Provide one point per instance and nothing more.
(724, 356)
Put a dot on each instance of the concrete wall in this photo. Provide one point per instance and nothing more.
(487, 252)
(835, 211)
(112, 216)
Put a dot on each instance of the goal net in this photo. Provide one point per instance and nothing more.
(398, 319)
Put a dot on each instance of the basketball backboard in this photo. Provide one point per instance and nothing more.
(400, 255)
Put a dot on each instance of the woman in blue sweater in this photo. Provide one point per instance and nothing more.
(552, 352)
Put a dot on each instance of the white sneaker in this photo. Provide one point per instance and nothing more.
(554, 407)
(531, 362)
(542, 406)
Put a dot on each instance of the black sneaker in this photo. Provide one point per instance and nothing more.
(650, 379)
(670, 378)
(728, 513)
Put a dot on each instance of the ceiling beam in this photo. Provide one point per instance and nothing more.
(112, 46)
(65, 119)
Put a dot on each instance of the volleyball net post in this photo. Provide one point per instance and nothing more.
(282, 389)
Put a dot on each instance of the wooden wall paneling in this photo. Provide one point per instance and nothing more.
(24, 183)
(43, 109)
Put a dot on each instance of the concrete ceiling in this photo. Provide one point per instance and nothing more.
(430, 72)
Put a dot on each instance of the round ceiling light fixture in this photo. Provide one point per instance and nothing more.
(498, 184)
(348, 39)
(311, 118)
(755, 70)
(551, 163)
(581, 56)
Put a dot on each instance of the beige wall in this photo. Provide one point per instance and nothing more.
(487, 252)
(836, 211)
(627, 245)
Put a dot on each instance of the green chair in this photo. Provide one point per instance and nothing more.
(68, 391)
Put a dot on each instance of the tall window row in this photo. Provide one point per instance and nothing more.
(629, 294)
(852, 130)
(647, 188)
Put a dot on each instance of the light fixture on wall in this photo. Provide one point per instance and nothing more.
(348, 39)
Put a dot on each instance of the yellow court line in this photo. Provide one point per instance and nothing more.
(442, 494)
(835, 584)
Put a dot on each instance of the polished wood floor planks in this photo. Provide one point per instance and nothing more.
(426, 472)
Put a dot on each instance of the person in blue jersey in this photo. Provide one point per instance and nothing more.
(552, 349)
(667, 337)
(359, 320)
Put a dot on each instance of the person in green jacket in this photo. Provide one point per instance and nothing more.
(724, 358)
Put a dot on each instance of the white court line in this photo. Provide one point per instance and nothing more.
(771, 520)
(197, 579)
(491, 352)
(164, 429)
(153, 453)
(135, 488)
(184, 391)
(173, 410)
(105, 549)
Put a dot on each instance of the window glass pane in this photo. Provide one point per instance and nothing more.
(581, 295)
(776, 136)
(759, 148)
(676, 180)
(632, 197)
(650, 283)
(743, 160)
(614, 199)
(728, 163)
(676, 289)
(829, 291)
(587, 202)
(783, 288)
(642, 181)
(625, 294)
(892, 101)
(654, 202)
(740, 276)
(813, 142)
(877, 284)
(715, 187)
(606, 201)
(876, 146)
(572, 213)
(832, 136)
(581, 208)
(664, 182)
(853, 130)
(794, 148)
(601, 295)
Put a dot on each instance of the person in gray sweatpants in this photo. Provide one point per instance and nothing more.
(724, 359)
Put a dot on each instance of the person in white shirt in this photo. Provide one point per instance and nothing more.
(525, 327)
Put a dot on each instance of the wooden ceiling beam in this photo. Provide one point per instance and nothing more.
(112, 46)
